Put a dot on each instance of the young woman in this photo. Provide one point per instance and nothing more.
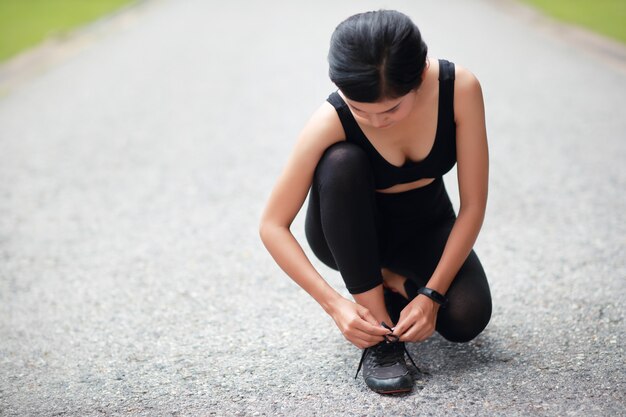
(373, 156)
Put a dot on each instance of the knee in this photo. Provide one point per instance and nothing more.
(460, 325)
(342, 167)
(469, 304)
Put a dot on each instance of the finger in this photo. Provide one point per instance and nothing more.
(367, 344)
(402, 326)
(368, 317)
(425, 334)
(410, 335)
(362, 342)
(371, 339)
(369, 324)
(375, 330)
(417, 334)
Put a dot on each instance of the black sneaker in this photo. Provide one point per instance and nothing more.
(384, 369)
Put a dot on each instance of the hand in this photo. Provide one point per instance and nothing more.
(357, 324)
(417, 320)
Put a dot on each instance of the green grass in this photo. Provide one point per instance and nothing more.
(25, 23)
(607, 17)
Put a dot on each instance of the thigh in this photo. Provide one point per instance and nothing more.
(341, 221)
(314, 232)
(415, 254)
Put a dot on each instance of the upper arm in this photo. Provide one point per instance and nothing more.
(471, 140)
(322, 130)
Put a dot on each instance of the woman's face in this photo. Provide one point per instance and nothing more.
(382, 114)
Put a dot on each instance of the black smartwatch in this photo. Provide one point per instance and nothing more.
(434, 295)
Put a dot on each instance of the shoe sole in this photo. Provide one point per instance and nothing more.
(398, 391)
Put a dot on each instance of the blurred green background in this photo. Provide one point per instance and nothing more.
(25, 23)
(607, 17)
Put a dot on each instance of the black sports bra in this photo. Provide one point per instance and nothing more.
(442, 156)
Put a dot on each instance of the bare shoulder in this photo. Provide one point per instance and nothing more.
(322, 129)
(468, 93)
(471, 140)
(465, 81)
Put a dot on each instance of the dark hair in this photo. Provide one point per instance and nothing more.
(376, 55)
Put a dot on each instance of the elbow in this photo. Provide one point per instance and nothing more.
(476, 212)
(266, 231)
(263, 231)
(475, 207)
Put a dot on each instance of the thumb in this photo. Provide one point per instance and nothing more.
(400, 327)
(367, 316)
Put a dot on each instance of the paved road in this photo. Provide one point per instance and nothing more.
(132, 176)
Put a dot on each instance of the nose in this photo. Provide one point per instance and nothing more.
(377, 121)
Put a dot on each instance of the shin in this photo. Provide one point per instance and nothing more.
(374, 301)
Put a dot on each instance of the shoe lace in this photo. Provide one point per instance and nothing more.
(381, 351)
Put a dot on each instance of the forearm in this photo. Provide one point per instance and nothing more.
(459, 244)
(290, 257)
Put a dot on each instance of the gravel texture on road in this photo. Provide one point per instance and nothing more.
(133, 175)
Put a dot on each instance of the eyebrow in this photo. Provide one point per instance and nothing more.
(386, 111)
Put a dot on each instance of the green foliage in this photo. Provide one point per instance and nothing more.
(607, 17)
(24, 23)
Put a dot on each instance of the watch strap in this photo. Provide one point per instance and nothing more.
(437, 297)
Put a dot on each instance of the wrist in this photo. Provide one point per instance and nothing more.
(330, 302)
(435, 296)
(428, 303)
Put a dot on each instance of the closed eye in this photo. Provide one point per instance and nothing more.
(392, 110)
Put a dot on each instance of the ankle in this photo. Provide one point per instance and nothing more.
(374, 301)
(394, 282)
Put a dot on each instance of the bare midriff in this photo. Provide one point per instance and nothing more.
(399, 188)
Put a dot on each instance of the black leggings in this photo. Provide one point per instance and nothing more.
(356, 230)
